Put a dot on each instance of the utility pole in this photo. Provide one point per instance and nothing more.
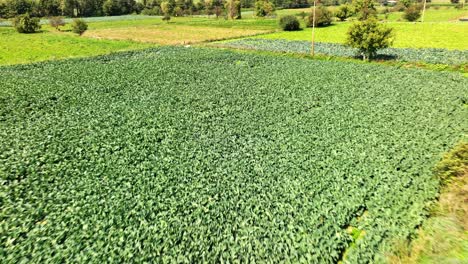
(424, 11)
(312, 52)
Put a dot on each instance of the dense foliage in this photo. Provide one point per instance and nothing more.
(118, 159)
(26, 24)
(434, 56)
(86, 8)
(369, 36)
(289, 23)
(323, 17)
(365, 9)
(344, 11)
(264, 8)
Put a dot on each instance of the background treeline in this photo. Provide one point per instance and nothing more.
(86, 8)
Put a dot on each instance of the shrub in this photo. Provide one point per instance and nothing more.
(264, 8)
(368, 37)
(56, 22)
(26, 24)
(289, 23)
(412, 13)
(344, 12)
(79, 26)
(323, 17)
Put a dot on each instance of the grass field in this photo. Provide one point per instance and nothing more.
(407, 35)
(443, 14)
(24, 48)
(191, 155)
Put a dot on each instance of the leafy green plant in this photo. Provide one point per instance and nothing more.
(289, 23)
(79, 26)
(26, 24)
(368, 37)
(323, 17)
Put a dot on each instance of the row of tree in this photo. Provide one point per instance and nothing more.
(85, 8)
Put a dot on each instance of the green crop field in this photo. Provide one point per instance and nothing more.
(192, 155)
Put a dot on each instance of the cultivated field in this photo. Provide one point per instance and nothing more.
(188, 154)
(127, 145)
(169, 34)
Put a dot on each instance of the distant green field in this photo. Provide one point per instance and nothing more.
(25, 48)
(443, 14)
(408, 35)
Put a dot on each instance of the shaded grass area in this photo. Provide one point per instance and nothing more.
(408, 35)
(25, 48)
(166, 34)
(443, 238)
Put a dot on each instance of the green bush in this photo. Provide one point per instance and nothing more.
(344, 12)
(26, 24)
(79, 26)
(412, 13)
(289, 23)
(323, 17)
(369, 36)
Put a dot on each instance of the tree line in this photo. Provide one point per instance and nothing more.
(88, 8)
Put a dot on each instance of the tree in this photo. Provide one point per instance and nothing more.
(79, 26)
(365, 9)
(26, 24)
(263, 8)
(344, 11)
(368, 37)
(323, 17)
(165, 8)
(56, 22)
(234, 9)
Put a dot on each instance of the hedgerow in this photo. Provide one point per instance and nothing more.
(195, 155)
(434, 56)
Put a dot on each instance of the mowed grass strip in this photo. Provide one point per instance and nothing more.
(171, 34)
